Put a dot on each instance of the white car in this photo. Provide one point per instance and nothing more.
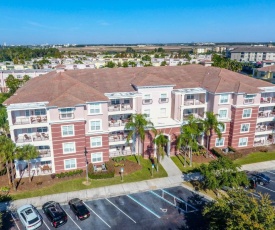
(29, 217)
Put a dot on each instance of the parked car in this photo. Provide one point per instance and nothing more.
(79, 209)
(55, 214)
(261, 178)
(29, 217)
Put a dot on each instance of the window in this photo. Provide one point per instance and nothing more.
(243, 141)
(219, 142)
(146, 112)
(222, 129)
(163, 112)
(249, 98)
(66, 113)
(126, 101)
(190, 96)
(95, 125)
(95, 108)
(38, 112)
(70, 164)
(68, 147)
(163, 98)
(115, 101)
(247, 113)
(147, 99)
(245, 128)
(224, 98)
(223, 113)
(97, 157)
(42, 129)
(67, 130)
(96, 142)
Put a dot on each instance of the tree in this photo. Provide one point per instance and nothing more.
(7, 148)
(25, 78)
(237, 210)
(146, 58)
(160, 142)
(188, 136)
(211, 125)
(12, 83)
(138, 125)
(28, 152)
(222, 172)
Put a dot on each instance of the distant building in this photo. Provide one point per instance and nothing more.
(252, 54)
(265, 73)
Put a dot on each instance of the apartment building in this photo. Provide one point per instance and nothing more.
(63, 112)
(266, 73)
(252, 54)
(19, 74)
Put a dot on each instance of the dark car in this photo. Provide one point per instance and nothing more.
(261, 178)
(56, 215)
(79, 209)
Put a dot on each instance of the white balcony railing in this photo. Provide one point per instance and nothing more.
(193, 102)
(119, 107)
(30, 120)
(22, 138)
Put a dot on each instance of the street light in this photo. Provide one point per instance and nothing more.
(121, 173)
(85, 152)
(153, 166)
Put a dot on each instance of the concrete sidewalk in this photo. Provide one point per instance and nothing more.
(261, 166)
(170, 167)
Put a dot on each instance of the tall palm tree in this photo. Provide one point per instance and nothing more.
(160, 142)
(138, 125)
(188, 136)
(28, 152)
(7, 154)
(211, 125)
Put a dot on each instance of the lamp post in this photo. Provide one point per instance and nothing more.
(121, 173)
(85, 152)
(153, 166)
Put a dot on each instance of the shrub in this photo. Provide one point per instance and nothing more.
(5, 189)
(118, 159)
(217, 152)
(68, 174)
(232, 156)
(263, 149)
(231, 149)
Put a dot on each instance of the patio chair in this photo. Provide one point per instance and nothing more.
(33, 119)
(95, 168)
(103, 167)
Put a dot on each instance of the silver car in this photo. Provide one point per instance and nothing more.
(29, 217)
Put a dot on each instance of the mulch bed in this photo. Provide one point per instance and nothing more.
(128, 167)
(201, 159)
(270, 148)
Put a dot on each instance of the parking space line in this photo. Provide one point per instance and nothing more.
(270, 172)
(14, 221)
(72, 220)
(254, 194)
(168, 201)
(120, 210)
(96, 214)
(46, 225)
(266, 188)
(149, 210)
(179, 199)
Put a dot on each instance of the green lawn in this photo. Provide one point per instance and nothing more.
(76, 184)
(179, 161)
(256, 157)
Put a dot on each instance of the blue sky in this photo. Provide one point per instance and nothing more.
(101, 22)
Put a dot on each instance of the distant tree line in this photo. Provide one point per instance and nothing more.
(21, 54)
(227, 63)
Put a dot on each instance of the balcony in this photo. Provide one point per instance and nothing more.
(265, 127)
(119, 107)
(120, 136)
(23, 120)
(37, 169)
(266, 114)
(120, 151)
(44, 153)
(263, 141)
(267, 100)
(193, 102)
(32, 137)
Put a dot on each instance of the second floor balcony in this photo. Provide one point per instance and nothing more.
(44, 151)
(117, 121)
(197, 113)
(118, 136)
(23, 117)
(31, 135)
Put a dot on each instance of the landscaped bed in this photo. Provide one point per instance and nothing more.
(45, 185)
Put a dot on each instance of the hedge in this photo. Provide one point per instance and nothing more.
(109, 173)
(69, 173)
(232, 156)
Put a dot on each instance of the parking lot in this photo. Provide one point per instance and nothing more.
(270, 188)
(170, 208)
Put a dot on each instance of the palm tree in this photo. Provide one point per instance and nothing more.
(7, 154)
(160, 142)
(137, 125)
(188, 136)
(28, 152)
(211, 125)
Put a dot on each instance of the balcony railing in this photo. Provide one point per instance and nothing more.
(119, 107)
(260, 142)
(30, 120)
(265, 100)
(193, 102)
(117, 123)
(266, 114)
(263, 128)
(163, 100)
(147, 101)
(196, 115)
(120, 152)
(118, 137)
(22, 138)
(44, 153)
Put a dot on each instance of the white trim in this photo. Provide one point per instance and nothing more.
(70, 160)
(96, 130)
(96, 142)
(246, 142)
(223, 118)
(93, 104)
(68, 143)
(70, 135)
(223, 139)
(101, 153)
(243, 125)
(250, 113)
(222, 103)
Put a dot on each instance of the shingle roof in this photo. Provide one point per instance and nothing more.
(254, 49)
(73, 87)
(267, 68)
